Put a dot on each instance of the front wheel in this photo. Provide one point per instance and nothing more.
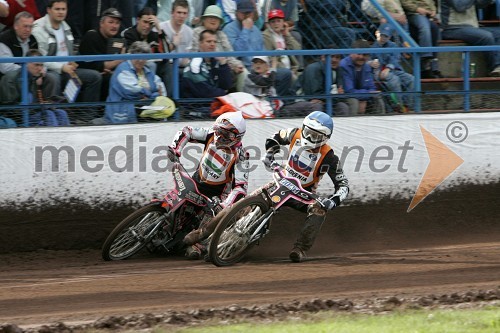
(234, 234)
(130, 236)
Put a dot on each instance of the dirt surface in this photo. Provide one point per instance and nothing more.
(77, 286)
(446, 250)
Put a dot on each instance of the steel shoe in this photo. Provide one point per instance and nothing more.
(297, 255)
(196, 251)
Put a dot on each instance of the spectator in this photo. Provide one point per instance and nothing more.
(177, 32)
(16, 7)
(212, 20)
(459, 21)
(260, 82)
(11, 92)
(165, 10)
(424, 27)
(131, 81)
(206, 77)
(325, 22)
(17, 42)
(245, 36)
(229, 9)
(312, 82)
(290, 9)
(55, 39)
(358, 79)
(103, 41)
(261, 79)
(143, 31)
(393, 7)
(278, 37)
(391, 73)
(178, 35)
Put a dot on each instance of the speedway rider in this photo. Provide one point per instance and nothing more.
(309, 158)
(223, 168)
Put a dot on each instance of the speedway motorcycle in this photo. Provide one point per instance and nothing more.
(161, 225)
(249, 220)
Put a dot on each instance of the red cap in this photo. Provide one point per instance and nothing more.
(275, 13)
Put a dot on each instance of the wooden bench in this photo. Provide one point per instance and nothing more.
(448, 42)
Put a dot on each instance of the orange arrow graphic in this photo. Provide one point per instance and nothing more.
(442, 162)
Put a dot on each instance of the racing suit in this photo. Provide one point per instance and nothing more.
(221, 173)
(309, 166)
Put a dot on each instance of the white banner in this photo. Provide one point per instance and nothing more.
(383, 156)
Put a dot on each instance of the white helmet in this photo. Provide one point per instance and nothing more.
(317, 128)
(229, 129)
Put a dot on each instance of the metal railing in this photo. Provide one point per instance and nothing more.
(175, 94)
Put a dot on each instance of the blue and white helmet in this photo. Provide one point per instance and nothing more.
(317, 128)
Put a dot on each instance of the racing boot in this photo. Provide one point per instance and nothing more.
(297, 254)
(196, 251)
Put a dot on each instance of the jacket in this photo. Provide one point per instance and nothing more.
(290, 42)
(367, 83)
(124, 87)
(47, 43)
(461, 13)
(202, 79)
(244, 39)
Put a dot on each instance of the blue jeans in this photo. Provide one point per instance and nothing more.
(284, 82)
(398, 81)
(426, 32)
(477, 36)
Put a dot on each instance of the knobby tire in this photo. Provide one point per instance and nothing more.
(127, 237)
(229, 243)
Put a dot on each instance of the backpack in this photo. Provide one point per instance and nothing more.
(7, 122)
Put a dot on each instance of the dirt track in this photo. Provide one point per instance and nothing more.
(450, 244)
(69, 286)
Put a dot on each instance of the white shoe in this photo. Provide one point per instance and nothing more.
(495, 72)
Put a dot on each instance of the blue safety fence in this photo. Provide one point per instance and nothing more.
(84, 113)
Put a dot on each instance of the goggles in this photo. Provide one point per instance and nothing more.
(226, 137)
(312, 135)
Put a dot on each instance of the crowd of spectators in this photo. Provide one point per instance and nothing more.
(96, 27)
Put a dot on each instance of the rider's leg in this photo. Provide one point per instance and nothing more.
(315, 217)
(208, 228)
(205, 229)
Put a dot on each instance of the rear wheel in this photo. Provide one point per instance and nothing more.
(232, 238)
(129, 237)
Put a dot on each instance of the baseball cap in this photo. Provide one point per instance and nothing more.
(263, 58)
(112, 12)
(275, 13)
(245, 6)
(385, 29)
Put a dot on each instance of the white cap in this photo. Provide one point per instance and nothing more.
(263, 58)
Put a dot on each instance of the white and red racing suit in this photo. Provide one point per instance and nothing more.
(221, 172)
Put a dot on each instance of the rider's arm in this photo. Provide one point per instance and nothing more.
(240, 182)
(331, 165)
(282, 138)
(189, 134)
